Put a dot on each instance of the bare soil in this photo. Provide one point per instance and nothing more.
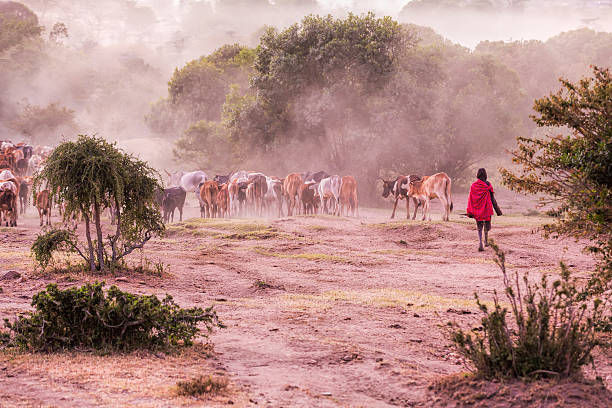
(320, 311)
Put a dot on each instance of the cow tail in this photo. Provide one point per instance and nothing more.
(449, 194)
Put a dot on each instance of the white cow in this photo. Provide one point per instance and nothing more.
(274, 194)
(330, 187)
(189, 181)
(6, 174)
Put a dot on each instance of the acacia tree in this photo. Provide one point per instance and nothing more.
(574, 172)
(89, 175)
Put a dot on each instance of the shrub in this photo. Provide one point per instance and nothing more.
(87, 318)
(50, 241)
(202, 385)
(555, 330)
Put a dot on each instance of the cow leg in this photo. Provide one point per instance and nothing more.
(394, 207)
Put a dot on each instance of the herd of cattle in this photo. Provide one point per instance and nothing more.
(244, 193)
(18, 162)
(237, 194)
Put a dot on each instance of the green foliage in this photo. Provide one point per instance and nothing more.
(204, 384)
(45, 124)
(554, 330)
(196, 92)
(50, 241)
(89, 175)
(17, 24)
(89, 318)
(206, 144)
(574, 172)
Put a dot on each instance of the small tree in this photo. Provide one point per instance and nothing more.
(89, 175)
(574, 172)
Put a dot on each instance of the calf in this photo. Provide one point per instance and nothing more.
(43, 204)
(172, 198)
(330, 186)
(348, 196)
(399, 188)
(430, 187)
(307, 197)
(208, 199)
(291, 187)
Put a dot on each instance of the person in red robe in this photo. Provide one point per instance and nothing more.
(481, 203)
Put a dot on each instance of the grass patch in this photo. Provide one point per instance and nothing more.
(265, 233)
(224, 229)
(310, 257)
(322, 217)
(317, 228)
(380, 297)
(204, 384)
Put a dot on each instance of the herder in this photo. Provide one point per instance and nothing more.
(481, 204)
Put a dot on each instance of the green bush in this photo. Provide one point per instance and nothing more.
(554, 330)
(52, 240)
(87, 318)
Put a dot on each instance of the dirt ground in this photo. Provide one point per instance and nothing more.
(320, 311)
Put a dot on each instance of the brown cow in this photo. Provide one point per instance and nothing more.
(223, 201)
(306, 193)
(208, 199)
(291, 187)
(399, 188)
(43, 204)
(348, 196)
(8, 202)
(256, 190)
(430, 187)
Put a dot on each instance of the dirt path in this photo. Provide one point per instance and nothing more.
(320, 311)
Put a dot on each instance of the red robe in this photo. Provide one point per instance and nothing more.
(479, 202)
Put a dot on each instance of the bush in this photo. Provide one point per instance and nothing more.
(202, 385)
(50, 241)
(87, 318)
(555, 330)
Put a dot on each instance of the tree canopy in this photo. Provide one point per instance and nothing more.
(573, 170)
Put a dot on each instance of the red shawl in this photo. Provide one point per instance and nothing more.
(479, 203)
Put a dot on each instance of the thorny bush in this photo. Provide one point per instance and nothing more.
(554, 331)
(50, 241)
(88, 318)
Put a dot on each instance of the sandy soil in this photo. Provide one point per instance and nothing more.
(320, 311)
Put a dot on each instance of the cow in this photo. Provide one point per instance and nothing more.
(43, 204)
(256, 190)
(6, 174)
(291, 186)
(223, 203)
(274, 195)
(221, 179)
(314, 176)
(307, 197)
(170, 199)
(348, 196)
(8, 202)
(430, 187)
(209, 190)
(34, 164)
(330, 186)
(24, 189)
(396, 187)
(189, 181)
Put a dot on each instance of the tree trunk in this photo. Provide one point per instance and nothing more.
(92, 264)
(99, 234)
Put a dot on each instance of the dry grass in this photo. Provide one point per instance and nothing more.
(378, 297)
(310, 257)
(203, 384)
